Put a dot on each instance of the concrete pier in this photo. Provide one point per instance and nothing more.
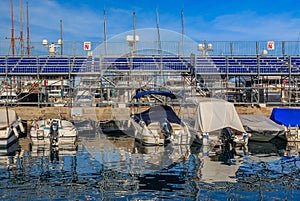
(94, 113)
(107, 113)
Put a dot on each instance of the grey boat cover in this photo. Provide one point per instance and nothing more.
(215, 114)
(261, 125)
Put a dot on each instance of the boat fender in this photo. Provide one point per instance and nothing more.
(142, 123)
(21, 127)
(245, 138)
(16, 132)
(205, 137)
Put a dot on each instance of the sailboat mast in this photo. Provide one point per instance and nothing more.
(158, 33)
(28, 37)
(134, 33)
(21, 28)
(182, 31)
(12, 39)
(104, 29)
(61, 39)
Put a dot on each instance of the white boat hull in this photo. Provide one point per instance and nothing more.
(9, 136)
(7, 140)
(152, 135)
(40, 133)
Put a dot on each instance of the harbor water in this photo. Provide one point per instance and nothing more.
(115, 167)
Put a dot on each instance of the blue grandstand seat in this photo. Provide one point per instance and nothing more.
(284, 69)
(247, 61)
(222, 68)
(77, 64)
(2, 64)
(206, 69)
(13, 60)
(206, 64)
(115, 63)
(25, 69)
(28, 61)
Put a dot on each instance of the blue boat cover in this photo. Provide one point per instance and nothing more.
(158, 114)
(155, 92)
(286, 116)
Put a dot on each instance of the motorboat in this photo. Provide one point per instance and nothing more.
(159, 124)
(261, 128)
(8, 97)
(11, 127)
(289, 119)
(54, 132)
(215, 121)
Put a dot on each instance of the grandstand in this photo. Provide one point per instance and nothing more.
(207, 74)
(221, 65)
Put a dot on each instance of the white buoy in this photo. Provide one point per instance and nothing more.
(21, 127)
(16, 132)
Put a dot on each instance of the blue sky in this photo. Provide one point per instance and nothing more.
(210, 20)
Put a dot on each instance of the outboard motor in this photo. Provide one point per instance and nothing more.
(166, 129)
(54, 157)
(227, 137)
(54, 132)
(228, 146)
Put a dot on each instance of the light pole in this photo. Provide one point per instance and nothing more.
(202, 47)
(52, 47)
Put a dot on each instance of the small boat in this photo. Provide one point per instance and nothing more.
(214, 121)
(9, 97)
(159, 124)
(11, 127)
(261, 128)
(54, 132)
(114, 127)
(289, 118)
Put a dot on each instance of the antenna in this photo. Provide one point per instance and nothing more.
(158, 33)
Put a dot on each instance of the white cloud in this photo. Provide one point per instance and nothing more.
(250, 26)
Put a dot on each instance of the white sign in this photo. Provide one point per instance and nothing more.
(271, 45)
(87, 46)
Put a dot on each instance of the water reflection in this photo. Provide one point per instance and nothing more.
(104, 167)
(271, 171)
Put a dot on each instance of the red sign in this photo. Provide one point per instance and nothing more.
(87, 46)
(271, 45)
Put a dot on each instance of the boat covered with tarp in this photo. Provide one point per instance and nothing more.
(261, 128)
(289, 117)
(211, 116)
